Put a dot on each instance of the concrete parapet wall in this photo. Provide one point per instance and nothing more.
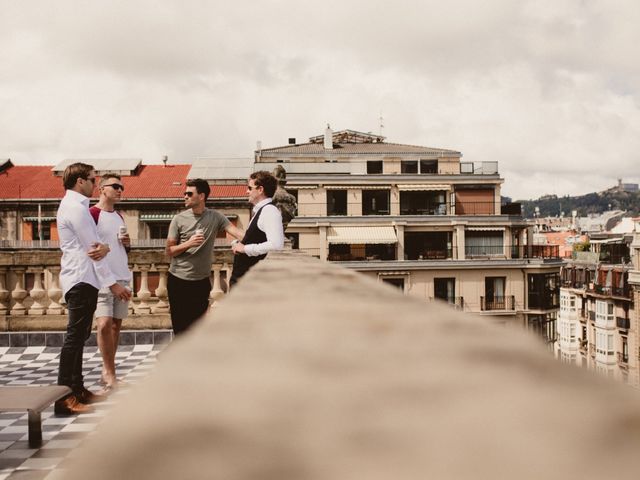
(310, 371)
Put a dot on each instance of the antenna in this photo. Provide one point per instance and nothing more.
(381, 119)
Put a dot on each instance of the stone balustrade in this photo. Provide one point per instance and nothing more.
(31, 297)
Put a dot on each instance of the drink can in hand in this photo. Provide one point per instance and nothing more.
(199, 231)
(122, 231)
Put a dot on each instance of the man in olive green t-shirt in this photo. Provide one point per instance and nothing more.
(190, 242)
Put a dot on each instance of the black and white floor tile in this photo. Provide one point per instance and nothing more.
(38, 365)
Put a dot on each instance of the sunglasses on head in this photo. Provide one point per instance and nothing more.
(115, 186)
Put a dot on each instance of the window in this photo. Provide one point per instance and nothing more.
(336, 202)
(428, 166)
(395, 282)
(543, 290)
(409, 166)
(427, 245)
(422, 203)
(483, 243)
(375, 202)
(158, 229)
(445, 289)
(494, 290)
(374, 167)
(45, 231)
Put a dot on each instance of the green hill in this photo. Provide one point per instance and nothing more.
(612, 199)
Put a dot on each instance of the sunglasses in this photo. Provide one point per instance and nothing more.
(115, 186)
(188, 194)
(249, 187)
(92, 180)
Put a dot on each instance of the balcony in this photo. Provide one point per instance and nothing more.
(497, 303)
(623, 323)
(478, 168)
(623, 358)
(536, 251)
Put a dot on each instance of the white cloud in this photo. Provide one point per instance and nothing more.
(549, 89)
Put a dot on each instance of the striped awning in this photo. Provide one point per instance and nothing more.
(35, 219)
(166, 217)
(156, 217)
(485, 229)
(351, 235)
(358, 187)
(424, 187)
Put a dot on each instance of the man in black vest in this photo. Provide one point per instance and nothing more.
(265, 232)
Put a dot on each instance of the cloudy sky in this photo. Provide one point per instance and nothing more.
(548, 88)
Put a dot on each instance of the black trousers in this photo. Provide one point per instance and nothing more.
(188, 300)
(81, 304)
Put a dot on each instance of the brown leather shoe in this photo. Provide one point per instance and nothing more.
(87, 397)
(70, 406)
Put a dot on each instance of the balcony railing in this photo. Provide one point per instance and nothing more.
(623, 323)
(535, 251)
(478, 168)
(474, 208)
(430, 208)
(610, 291)
(497, 303)
(456, 302)
(623, 357)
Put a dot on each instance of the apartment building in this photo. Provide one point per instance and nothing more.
(598, 318)
(420, 219)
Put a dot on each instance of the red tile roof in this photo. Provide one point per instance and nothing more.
(151, 181)
(30, 182)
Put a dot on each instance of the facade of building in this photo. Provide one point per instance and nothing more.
(420, 219)
(598, 319)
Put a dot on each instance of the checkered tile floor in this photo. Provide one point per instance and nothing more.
(39, 366)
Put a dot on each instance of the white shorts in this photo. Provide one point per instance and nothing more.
(109, 306)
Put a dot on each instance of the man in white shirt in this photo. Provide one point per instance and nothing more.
(111, 310)
(84, 271)
(265, 231)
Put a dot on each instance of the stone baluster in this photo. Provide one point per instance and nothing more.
(37, 293)
(19, 293)
(55, 292)
(161, 292)
(131, 310)
(4, 293)
(144, 294)
(216, 292)
(228, 271)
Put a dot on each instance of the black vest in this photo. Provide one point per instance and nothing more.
(243, 262)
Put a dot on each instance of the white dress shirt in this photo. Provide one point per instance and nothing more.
(270, 222)
(78, 233)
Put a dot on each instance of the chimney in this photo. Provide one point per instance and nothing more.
(292, 141)
(165, 159)
(328, 138)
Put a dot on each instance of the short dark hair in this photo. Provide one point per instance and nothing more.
(202, 186)
(107, 176)
(265, 180)
(73, 172)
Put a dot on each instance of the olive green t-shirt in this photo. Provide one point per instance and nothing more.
(195, 263)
